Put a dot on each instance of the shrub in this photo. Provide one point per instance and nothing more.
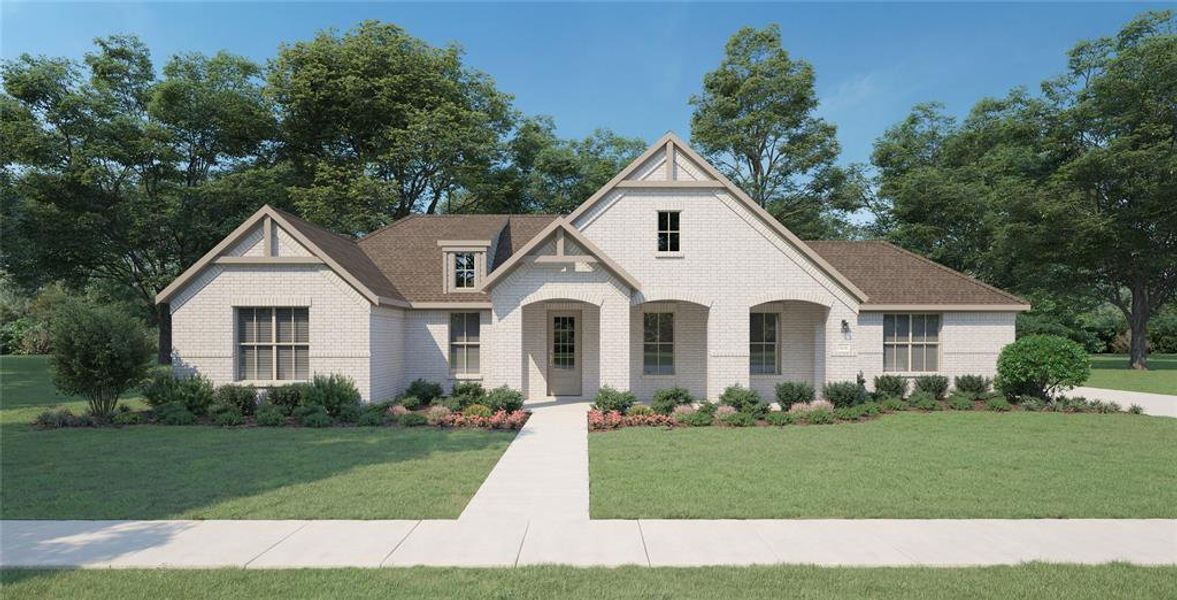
(466, 393)
(411, 402)
(503, 398)
(59, 418)
(844, 393)
(960, 401)
(724, 411)
(696, 418)
(1135, 409)
(820, 416)
(891, 385)
(1031, 404)
(174, 413)
(682, 410)
(708, 407)
(789, 393)
(665, 400)
(412, 420)
(99, 352)
(936, 385)
(244, 398)
(313, 415)
(848, 413)
(286, 397)
(1041, 365)
(128, 418)
(780, 418)
(159, 387)
(869, 409)
(739, 419)
(270, 415)
(973, 386)
(337, 394)
(891, 404)
(371, 418)
(226, 415)
(478, 410)
(639, 410)
(398, 411)
(609, 399)
(651, 419)
(425, 391)
(743, 400)
(815, 405)
(435, 414)
(922, 400)
(1073, 404)
(1105, 407)
(997, 404)
(600, 420)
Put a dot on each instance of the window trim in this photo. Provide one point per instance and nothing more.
(939, 343)
(464, 345)
(472, 269)
(273, 345)
(659, 314)
(669, 231)
(776, 345)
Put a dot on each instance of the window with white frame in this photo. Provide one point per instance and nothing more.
(668, 231)
(911, 342)
(273, 344)
(763, 334)
(658, 344)
(464, 270)
(464, 343)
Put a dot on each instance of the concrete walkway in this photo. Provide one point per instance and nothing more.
(533, 508)
(1161, 405)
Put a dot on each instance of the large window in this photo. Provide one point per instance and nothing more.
(464, 343)
(763, 350)
(667, 231)
(273, 344)
(463, 270)
(911, 342)
(658, 344)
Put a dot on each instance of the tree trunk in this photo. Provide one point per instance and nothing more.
(1138, 325)
(164, 316)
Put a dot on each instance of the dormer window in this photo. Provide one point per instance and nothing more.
(464, 270)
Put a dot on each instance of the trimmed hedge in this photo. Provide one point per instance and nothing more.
(789, 393)
(1041, 366)
(891, 385)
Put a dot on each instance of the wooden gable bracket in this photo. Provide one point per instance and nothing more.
(561, 257)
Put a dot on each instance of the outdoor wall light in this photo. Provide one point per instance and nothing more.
(845, 326)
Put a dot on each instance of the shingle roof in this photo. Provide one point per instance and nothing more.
(407, 251)
(891, 275)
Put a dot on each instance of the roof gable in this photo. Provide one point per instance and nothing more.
(561, 227)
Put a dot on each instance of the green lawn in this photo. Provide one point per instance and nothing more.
(908, 465)
(153, 472)
(1034, 580)
(1111, 371)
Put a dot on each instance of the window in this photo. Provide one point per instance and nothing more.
(464, 343)
(658, 346)
(763, 347)
(273, 344)
(911, 342)
(667, 231)
(463, 270)
(564, 342)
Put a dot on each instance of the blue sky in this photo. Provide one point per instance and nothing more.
(633, 67)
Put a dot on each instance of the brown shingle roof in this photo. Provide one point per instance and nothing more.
(407, 251)
(891, 275)
(347, 254)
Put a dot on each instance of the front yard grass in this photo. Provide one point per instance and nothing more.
(157, 472)
(1110, 371)
(915, 466)
(1035, 580)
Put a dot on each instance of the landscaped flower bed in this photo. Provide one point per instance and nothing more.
(848, 403)
(327, 401)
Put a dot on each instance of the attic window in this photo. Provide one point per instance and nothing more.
(667, 231)
(464, 271)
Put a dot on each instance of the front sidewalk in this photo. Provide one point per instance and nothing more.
(534, 509)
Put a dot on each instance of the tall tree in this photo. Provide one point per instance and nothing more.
(107, 176)
(379, 124)
(755, 120)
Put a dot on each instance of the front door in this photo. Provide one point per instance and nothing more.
(564, 353)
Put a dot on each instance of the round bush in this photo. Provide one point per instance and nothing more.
(789, 393)
(99, 352)
(743, 400)
(286, 397)
(466, 393)
(371, 418)
(891, 385)
(477, 410)
(412, 420)
(313, 415)
(425, 391)
(960, 401)
(174, 413)
(666, 399)
(503, 398)
(270, 415)
(639, 410)
(244, 398)
(779, 418)
(227, 416)
(337, 395)
(844, 393)
(923, 400)
(936, 385)
(1041, 366)
(411, 402)
(973, 386)
(997, 404)
(609, 399)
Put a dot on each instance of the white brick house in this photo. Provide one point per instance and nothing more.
(669, 275)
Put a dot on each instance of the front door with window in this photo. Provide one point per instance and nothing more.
(564, 354)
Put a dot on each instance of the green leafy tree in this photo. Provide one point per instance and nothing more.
(378, 124)
(99, 352)
(755, 121)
